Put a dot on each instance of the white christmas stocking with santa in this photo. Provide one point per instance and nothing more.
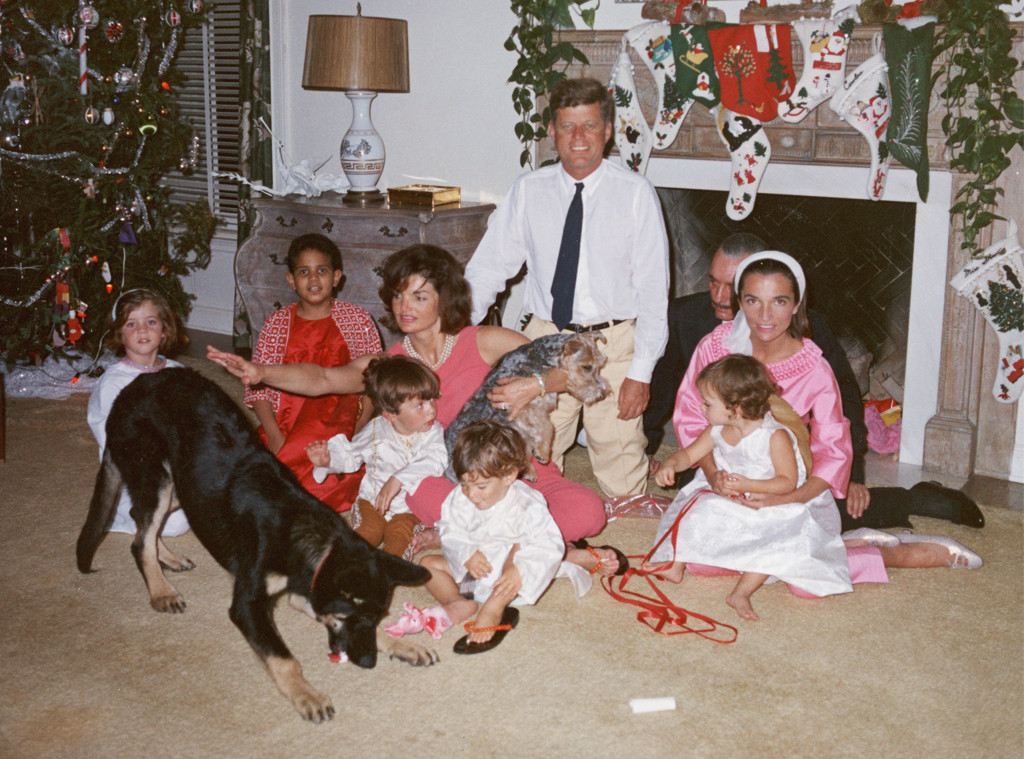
(632, 134)
(825, 44)
(863, 102)
(993, 282)
(750, 152)
(653, 44)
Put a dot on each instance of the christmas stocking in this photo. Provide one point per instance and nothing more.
(696, 77)
(993, 281)
(750, 151)
(632, 135)
(863, 102)
(825, 44)
(908, 53)
(652, 43)
(755, 68)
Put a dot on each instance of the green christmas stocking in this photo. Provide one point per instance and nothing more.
(908, 52)
(993, 282)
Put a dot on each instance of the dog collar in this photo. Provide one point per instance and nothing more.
(319, 567)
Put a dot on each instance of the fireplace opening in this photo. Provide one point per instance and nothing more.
(857, 255)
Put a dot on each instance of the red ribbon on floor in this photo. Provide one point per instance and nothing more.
(659, 612)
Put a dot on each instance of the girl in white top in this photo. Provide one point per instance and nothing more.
(495, 532)
(400, 448)
(795, 542)
(143, 325)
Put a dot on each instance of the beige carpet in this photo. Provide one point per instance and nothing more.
(930, 665)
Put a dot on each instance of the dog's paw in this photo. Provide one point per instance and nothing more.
(411, 652)
(311, 704)
(173, 603)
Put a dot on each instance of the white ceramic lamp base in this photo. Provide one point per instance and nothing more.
(362, 153)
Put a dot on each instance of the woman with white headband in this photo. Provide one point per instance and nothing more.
(771, 325)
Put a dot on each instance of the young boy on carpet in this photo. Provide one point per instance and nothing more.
(399, 448)
(496, 533)
(318, 329)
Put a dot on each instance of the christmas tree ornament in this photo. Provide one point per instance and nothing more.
(908, 54)
(148, 128)
(632, 134)
(195, 6)
(12, 141)
(124, 78)
(66, 36)
(11, 99)
(750, 152)
(172, 18)
(88, 16)
(993, 282)
(92, 115)
(654, 46)
(825, 44)
(114, 30)
(755, 68)
(108, 115)
(105, 272)
(696, 77)
(863, 102)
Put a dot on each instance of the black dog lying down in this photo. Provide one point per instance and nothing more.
(175, 435)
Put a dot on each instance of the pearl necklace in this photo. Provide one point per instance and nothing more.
(449, 343)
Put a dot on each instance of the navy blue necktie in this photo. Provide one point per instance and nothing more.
(563, 284)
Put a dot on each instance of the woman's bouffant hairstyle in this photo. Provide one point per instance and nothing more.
(799, 326)
(392, 380)
(440, 269)
(315, 242)
(487, 448)
(174, 338)
(742, 382)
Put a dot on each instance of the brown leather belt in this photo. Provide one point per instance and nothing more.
(579, 328)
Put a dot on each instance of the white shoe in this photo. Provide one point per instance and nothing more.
(872, 537)
(961, 557)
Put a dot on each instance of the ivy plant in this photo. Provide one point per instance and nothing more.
(543, 59)
(984, 113)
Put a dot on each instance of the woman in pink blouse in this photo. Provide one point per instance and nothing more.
(771, 325)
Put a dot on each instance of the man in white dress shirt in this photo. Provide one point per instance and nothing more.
(621, 280)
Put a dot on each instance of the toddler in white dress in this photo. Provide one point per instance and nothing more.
(400, 448)
(795, 542)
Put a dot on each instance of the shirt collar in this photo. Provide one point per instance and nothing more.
(589, 182)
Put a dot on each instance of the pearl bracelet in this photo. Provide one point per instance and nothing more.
(543, 387)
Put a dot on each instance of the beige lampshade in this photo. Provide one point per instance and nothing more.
(356, 53)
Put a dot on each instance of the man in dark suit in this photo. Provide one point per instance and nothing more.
(691, 317)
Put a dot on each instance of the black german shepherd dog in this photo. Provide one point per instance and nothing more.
(175, 436)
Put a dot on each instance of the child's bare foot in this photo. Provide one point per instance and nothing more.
(671, 571)
(425, 540)
(741, 603)
(603, 561)
(485, 619)
(460, 610)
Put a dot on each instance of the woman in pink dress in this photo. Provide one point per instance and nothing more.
(771, 325)
(428, 299)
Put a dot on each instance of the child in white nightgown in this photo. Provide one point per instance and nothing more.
(497, 532)
(143, 327)
(798, 543)
(400, 448)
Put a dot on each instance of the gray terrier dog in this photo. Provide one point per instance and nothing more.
(576, 355)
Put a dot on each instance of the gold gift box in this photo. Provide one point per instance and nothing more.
(424, 195)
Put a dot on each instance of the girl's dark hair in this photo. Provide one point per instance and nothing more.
(440, 269)
(742, 382)
(315, 242)
(174, 338)
(799, 326)
(489, 449)
(392, 380)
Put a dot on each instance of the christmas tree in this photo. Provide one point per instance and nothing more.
(88, 130)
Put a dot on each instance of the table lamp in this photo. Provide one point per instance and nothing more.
(361, 56)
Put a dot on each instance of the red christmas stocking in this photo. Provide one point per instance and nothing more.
(755, 68)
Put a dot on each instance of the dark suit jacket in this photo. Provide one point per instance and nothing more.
(690, 318)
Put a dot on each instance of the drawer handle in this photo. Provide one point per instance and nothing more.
(280, 220)
(386, 231)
